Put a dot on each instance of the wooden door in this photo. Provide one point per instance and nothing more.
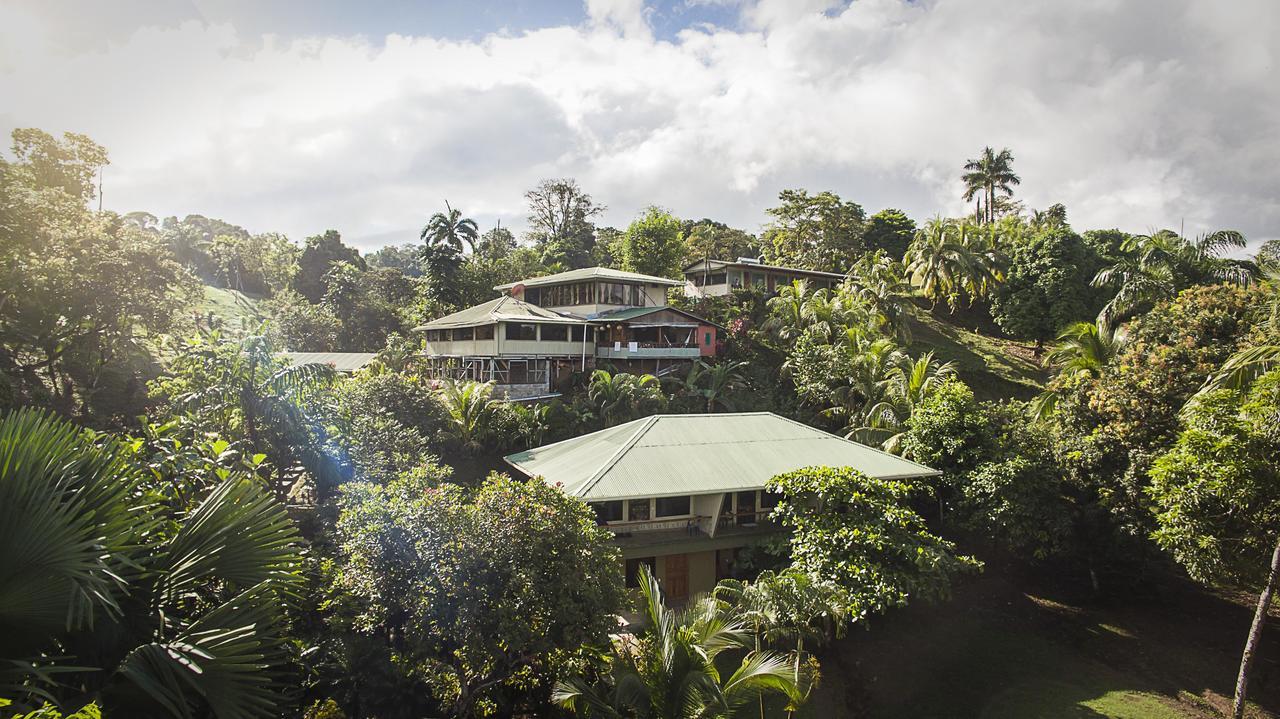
(676, 577)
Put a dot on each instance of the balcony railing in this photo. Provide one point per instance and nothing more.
(645, 349)
(693, 525)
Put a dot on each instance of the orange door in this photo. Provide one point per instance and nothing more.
(676, 579)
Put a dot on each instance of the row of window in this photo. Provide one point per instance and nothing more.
(746, 507)
(715, 278)
(511, 331)
(639, 510)
(587, 293)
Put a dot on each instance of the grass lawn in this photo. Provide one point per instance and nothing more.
(996, 652)
(995, 368)
(236, 310)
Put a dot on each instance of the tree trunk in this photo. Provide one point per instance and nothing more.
(1255, 634)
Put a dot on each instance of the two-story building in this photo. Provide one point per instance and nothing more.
(541, 330)
(716, 278)
(683, 493)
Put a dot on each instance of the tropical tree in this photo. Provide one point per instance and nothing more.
(672, 667)
(789, 310)
(817, 232)
(910, 383)
(450, 229)
(1247, 364)
(242, 390)
(788, 608)
(989, 175)
(465, 590)
(1083, 349)
(891, 231)
(949, 258)
(653, 244)
(857, 532)
(621, 397)
(880, 282)
(120, 591)
(1046, 286)
(469, 407)
(712, 383)
(1217, 499)
(1157, 266)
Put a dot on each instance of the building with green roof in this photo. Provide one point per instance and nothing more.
(531, 339)
(683, 493)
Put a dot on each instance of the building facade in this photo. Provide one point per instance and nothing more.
(684, 494)
(540, 331)
(716, 278)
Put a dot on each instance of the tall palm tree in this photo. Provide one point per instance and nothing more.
(469, 406)
(672, 669)
(990, 174)
(101, 576)
(450, 229)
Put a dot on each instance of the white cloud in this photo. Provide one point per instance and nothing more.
(1134, 114)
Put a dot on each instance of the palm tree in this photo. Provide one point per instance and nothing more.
(948, 258)
(246, 391)
(989, 175)
(469, 406)
(881, 283)
(909, 383)
(1157, 266)
(672, 669)
(450, 229)
(713, 382)
(1083, 348)
(100, 575)
(787, 313)
(623, 397)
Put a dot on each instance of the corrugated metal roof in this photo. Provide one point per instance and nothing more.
(631, 313)
(591, 273)
(721, 264)
(340, 361)
(673, 454)
(505, 308)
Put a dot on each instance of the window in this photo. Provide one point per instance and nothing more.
(672, 506)
(463, 333)
(576, 333)
(484, 332)
(533, 295)
(608, 511)
(633, 569)
(769, 500)
(555, 333)
(637, 510)
(520, 331)
(707, 340)
(735, 279)
(716, 278)
(746, 507)
(613, 293)
(434, 335)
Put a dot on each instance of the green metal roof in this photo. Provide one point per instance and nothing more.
(591, 273)
(340, 361)
(676, 454)
(632, 313)
(502, 309)
(721, 264)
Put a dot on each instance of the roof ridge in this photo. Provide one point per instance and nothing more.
(595, 478)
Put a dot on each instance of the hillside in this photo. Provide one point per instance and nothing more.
(995, 368)
(234, 309)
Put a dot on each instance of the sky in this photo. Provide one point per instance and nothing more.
(366, 117)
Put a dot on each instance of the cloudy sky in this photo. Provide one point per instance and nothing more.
(365, 117)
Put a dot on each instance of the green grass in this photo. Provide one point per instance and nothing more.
(995, 368)
(236, 310)
(997, 652)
